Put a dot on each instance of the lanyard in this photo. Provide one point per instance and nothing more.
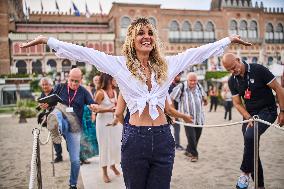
(248, 79)
(70, 100)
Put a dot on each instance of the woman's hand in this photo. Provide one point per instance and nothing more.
(94, 107)
(114, 122)
(237, 39)
(281, 119)
(38, 40)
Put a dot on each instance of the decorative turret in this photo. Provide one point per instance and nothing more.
(256, 4)
(220, 4)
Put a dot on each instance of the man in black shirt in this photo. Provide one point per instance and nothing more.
(46, 85)
(253, 83)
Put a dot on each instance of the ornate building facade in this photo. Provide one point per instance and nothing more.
(178, 30)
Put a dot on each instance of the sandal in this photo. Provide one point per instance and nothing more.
(194, 159)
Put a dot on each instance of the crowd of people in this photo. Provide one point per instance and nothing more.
(143, 78)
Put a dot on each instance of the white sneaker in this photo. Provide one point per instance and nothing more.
(243, 182)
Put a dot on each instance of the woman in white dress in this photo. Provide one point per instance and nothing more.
(109, 138)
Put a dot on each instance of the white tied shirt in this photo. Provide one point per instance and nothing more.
(134, 91)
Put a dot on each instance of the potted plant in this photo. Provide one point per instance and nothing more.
(25, 109)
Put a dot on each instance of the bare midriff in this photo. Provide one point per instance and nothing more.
(146, 120)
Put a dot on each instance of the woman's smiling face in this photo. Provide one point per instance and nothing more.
(144, 40)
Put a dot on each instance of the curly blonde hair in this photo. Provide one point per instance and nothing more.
(156, 61)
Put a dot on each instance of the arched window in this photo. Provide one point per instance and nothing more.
(66, 65)
(81, 64)
(244, 58)
(243, 29)
(185, 33)
(278, 35)
(233, 27)
(90, 45)
(153, 21)
(254, 60)
(124, 23)
(253, 30)
(174, 31)
(270, 60)
(198, 31)
(36, 67)
(269, 32)
(209, 31)
(22, 66)
(52, 64)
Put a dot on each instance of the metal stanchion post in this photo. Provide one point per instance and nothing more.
(256, 152)
(52, 157)
(39, 178)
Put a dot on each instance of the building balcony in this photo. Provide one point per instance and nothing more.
(277, 41)
(190, 40)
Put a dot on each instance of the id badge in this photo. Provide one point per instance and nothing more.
(69, 109)
(247, 94)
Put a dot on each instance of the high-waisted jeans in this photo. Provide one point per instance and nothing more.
(147, 156)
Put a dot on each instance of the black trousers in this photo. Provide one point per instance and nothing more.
(58, 150)
(213, 102)
(267, 114)
(192, 134)
(228, 109)
(147, 156)
(177, 133)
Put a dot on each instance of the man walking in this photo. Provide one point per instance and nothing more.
(191, 98)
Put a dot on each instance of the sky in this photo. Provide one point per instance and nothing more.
(93, 5)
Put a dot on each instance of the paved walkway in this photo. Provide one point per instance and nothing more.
(92, 176)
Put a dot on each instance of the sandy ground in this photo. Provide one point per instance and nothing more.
(16, 141)
(220, 153)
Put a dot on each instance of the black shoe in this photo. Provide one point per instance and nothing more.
(57, 160)
(84, 162)
(72, 187)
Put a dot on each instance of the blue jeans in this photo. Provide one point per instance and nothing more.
(73, 146)
(147, 156)
(268, 114)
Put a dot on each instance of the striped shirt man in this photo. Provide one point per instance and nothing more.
(190, 100)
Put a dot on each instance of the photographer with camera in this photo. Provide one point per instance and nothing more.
(46, 85)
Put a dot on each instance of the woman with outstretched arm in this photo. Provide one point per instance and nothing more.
(143, 75)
